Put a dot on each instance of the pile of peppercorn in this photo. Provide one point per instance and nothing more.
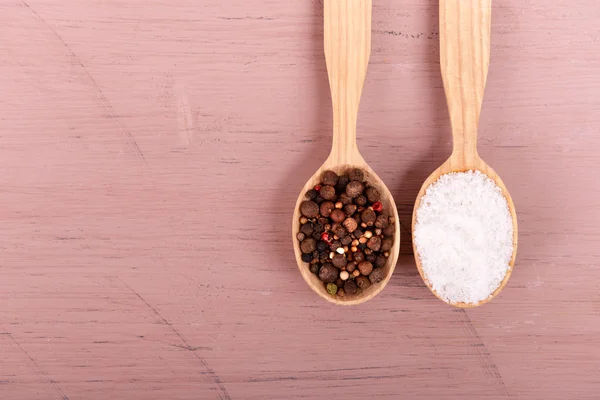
(345, 233)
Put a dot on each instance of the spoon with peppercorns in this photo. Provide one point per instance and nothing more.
(345, 231)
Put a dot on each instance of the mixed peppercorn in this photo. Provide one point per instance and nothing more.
(345, 233)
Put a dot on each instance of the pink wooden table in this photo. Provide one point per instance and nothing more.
(150, 156)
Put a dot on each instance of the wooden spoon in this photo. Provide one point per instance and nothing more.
(465, 58)
(347, 51)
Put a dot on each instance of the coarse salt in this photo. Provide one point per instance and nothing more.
(464, 236)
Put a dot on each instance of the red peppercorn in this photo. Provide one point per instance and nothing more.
(326, 236)
(377, 206)
(318, 188)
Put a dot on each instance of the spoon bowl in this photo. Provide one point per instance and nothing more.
(450, 166)
(388, 203)
(464, 60)
(347, 33)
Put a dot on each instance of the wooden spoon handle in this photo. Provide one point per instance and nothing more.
(465, 58)
(347, 35)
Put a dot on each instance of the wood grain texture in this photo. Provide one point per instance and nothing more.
(347, 45)
(464, 63)
(347, 49)
(150, 156)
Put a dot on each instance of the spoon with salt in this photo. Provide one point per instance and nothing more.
(347, 33)
(465, 55)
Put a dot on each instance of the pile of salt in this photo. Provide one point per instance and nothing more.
(464, 236)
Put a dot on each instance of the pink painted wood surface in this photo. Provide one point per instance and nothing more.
(150, 156)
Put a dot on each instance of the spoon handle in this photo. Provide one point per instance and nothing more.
(347, 33)
(465, 58)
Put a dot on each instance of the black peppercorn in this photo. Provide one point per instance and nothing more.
(356, 175)
(354, 189)
(389, 230)
(307, 257)
(309, 209)
(365, 267)
(387, 243)
(311, 194)
(335, 226)
(339, 282)
(363, 282)
(350, 209)
(318, 199)
(326, 208)
(377, 275)
(344, 199)
(322, 246)
(314, 268)
(374, 243)
(360, 200)
(381, 221)
(346, 240)
(362, 246)
(372, 194)
(335, 245)
(324, 255)
(328, 273)
(379, 261)
(350, 224)
(307, 228)
(308, 245)
(368, 216)
(350, 287)
(337, 215)
(351, 266)
(319, 228)
(371, 258)
(359, 256)
(339, 260)
(329, 178)
(328, 193)
(342, 234)
(340, 186)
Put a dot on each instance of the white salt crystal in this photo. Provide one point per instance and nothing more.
(464, 236)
